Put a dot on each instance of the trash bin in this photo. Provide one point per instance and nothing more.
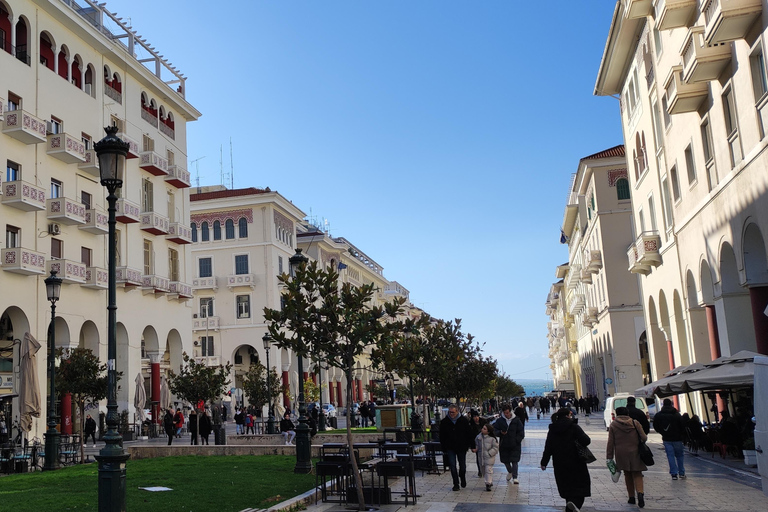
(333, 422)
(219, 435)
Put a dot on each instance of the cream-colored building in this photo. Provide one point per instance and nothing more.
(691, 78)
(68, 71)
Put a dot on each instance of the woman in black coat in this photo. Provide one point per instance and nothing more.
(205, 427)
(168, 425)
(571, 473)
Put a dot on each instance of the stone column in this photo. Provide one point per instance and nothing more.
(339, 394)
(66, 413)
(154, 378)
(286, 386)
(758, 296)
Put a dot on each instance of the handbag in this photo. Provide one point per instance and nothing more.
(646, 455)
(584, 453)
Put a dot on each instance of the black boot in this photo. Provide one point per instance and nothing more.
(640, 499)
(631, 500)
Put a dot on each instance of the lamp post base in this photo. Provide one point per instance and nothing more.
(303, 449)
(52, 443)
(112, 484)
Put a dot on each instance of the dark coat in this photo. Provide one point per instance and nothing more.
(639, 416)
(193, 423)
(205, 425)
(624, 435)
(669, 424)
(90, 426)
(286, 425)
(571, 473)
(456, 437)
(510, 438)
(168, 424)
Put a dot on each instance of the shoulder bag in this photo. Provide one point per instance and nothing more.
(584, 453)
(646, 455)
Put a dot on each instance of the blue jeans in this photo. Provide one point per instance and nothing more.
(452, 457)
(675, 455)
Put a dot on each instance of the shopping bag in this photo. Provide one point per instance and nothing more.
(615, 473)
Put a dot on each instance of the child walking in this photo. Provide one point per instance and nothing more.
(487, 446)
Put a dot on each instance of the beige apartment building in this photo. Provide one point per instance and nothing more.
(596, 319)
(691, 79)
(68, 70)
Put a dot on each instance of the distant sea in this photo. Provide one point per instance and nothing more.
(535, 387)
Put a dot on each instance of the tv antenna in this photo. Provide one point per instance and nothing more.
(197, 172)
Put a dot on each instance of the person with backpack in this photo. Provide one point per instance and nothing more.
(669, 424)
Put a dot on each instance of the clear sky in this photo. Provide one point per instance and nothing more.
(437, 136)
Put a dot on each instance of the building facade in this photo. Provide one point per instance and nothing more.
(68, 71)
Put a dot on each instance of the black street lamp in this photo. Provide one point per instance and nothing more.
(52, 437)
(267, 339)
(303, 446)
(111, 152)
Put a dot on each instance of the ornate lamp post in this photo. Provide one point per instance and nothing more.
(111, 152)
(267, 339)
(52, 439)
(303, 446)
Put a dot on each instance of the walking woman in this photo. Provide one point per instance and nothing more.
(624, 435)
(571, 473)
(510, 431)
(169, 426)
(486, 447)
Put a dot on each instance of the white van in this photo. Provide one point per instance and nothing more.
(620, 400)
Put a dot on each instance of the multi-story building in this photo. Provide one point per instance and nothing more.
(691, 79)
(69, 69)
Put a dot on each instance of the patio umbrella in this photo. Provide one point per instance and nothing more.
(658, 386)
(165, 395)
(140, 398)
(29, 388)
(725, 376)
(678, 384)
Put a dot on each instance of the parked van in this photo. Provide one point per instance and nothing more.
(620, 400)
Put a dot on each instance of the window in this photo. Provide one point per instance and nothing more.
(652, 212)
(147, 144)
(238, 358)
(243, 306)
(85, 198)
(57, 248)
(641, 216)
(117, 122)
(242, 226)
(622, 188)
(205, 267)
(657, 42)
(668, 219)
(690, 165)
(170, 157)
(709, 155)
(279, 264)
(656, 119)
(56, 126)
(731, 126)
(12, 237)
(241, 264)
(665, 112)
(675, 183)
(147, 196)
(206, 307)
(148, 257)
(206, 346)
(194, 232)
(14, 102)
(216, 230)
(85, 256)
(757, 66)
(13, 171)
(229, 228)
(171, 200)
(173, 265)
(204, 232)
(87, 142)
(56, 188)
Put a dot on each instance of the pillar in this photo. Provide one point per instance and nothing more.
(66, 413)
(714, 343)
(671, 355)
(154, 380)
(371, 385)
(339, 394)
(359, 384)
(286, 387)
(758, 296)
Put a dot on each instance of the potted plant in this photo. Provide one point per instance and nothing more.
(750, 455)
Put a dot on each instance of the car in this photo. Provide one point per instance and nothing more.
(620, 400)
(329, 410)
(355, 409)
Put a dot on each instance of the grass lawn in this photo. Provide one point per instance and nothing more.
(229, 483)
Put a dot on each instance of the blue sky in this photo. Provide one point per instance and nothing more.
(437, 136)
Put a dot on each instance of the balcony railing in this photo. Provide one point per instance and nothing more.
(205, 283)
(180, 290)
(65, 211)
(128, 277)
(24, 127)
(153, 163)
(729, 20)
(594, 261)
(96, 222)
(177, 176)
(68, 270)
(154, 223)
(638, 8)
(113, 93)
(574, 276)
(91, 164)
(235, 280)
(133, 146)
(675, 13)
(683, 97)
(96, 278)
(202, 324)
(148, 117)
(127, 211)
(586, 276)
(577, 304)
(23, 261)
(3, 106)
(648, 248)
(23, 196)
(703, 63)
(151, 283)
(167, 131)
(66, 147)
(179, 233)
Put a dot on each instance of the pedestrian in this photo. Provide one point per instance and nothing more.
(90, 430)
(240, 421)
(638, 415)
(624, 435)
(249, 423)
(193, 427)
(476, 422)
(455, 439)
(511, 432)
(365, 414)
(287, 428)
(372, 412)
(486, 448)
(571, 473)
(669, 424)
(178, 422)
(521, 413)
(205, 427)
(169, 425)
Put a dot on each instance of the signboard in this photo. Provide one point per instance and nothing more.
(6, 381)
(609, 381)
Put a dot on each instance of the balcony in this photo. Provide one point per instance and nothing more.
(208, 360)
(235, 280)
(203, 324)
(154, 223)
(69, 271)
(638, 8)
(96, 278)
(155, 284)
(634, 263)
(592, 316)
(149, 117)
(594, 261)
(127, 212)
(24, 127)
(179, 233)
(167, 131)
(133, 146)
(66, 148)
(23, 196)
(128, 277)
(23, 261)
(683, 97)
(648, 246)
(65, 211)
(91, 164)
(113, 93)
(574, 275)
(577, 304)
(702, 63)
(3, 105)
(179, 290)
(177, 176)
(153, 163)
(729, 20)
(205, 283)
(674, 13)
(96, 222)
(586, 276)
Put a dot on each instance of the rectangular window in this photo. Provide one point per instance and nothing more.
(14, 102)
(148, 258)
(667, 203)
(173, 265)
(170, 157)
(85, 198)
(13, 171)
(641, 216)
(279, 264)
(690, 165)
(205, 266)
(116, 121)
(757, 66)
(171, 206)
(657, 42)
(657, 130)
(12, 237)
(675, 183)
(56, 188)
(206, 346)
(55, 126)
(85, 256)
(243, 306)
(87, 141)
(665, 112)
(241, 264)
(57, 248)
(652, 212)
(709, 155)
(147, 196)
(147, 144)
(206, 307)
(731, 126)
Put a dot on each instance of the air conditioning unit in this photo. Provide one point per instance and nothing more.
(54, 229)
(194, 315)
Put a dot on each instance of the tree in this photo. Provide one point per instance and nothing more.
(82, 375)
(506, 388)
(255, 385)
(197, 382)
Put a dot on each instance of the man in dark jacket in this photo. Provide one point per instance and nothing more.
(510, 431)
(456, 438)
(669, 424)
(168, 425)
(637, 414)
(90, 430)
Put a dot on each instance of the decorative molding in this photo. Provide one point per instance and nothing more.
(282, 221)
(614, 176)
(234, 215)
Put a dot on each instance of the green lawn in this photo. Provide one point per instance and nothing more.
(229, 483)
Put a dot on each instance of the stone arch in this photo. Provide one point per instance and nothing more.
(756, 273)
(13, 323)
(149, 340)
(89, 337)
(174, 347)
(47, 47)
(707, 283)
(691, 291)
(657, 346)
(63, 338)
(242, 358)
(64, 58)
(738, 331)
(680, 330)
(122, 365)
(77, 71)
